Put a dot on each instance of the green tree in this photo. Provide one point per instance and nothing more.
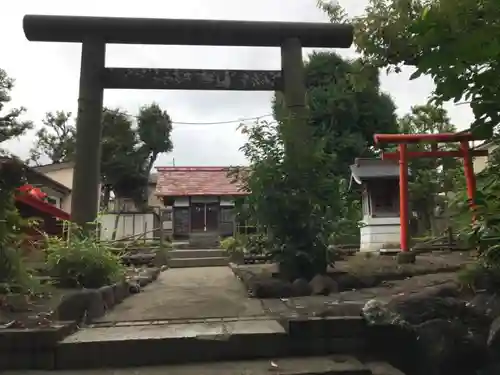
(56, 139)
(14, 276)
(302, 197)
(455, 42)
(11, 126)
(128, 150)
(289, 199)
(346, 107)
(154, 127)
(121, 169)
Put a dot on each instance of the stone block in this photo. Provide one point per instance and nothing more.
(108, 296)
(407, 257)
(121, 291)
(307, 327)
(344, 326)
(143, 280)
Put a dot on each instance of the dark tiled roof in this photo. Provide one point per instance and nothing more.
(195, 181)
(364, 168)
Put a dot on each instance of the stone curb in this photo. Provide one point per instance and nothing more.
(36, 348)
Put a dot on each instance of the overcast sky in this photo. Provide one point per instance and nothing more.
(47, 74)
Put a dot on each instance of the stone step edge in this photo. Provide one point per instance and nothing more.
(197, 262)
(157, 352)
(122, 351)
(334, 365)
(148, 322)
(196, 253)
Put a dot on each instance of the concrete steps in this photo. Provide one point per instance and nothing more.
(197, 262)
(204, 240)
(197, 258)
(260, 345)
(197, 253)
(331, 365)
(130, 344)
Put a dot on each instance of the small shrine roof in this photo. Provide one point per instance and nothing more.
(371, 168)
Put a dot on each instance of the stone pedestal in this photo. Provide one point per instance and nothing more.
(378, 231)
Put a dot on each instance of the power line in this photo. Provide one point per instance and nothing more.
(202, 123)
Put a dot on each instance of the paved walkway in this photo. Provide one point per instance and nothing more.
(188, 293)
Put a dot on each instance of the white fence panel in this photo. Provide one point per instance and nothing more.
(129, 225)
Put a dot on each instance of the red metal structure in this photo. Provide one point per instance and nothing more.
(403, 155)
(35, 198)
(31, 203)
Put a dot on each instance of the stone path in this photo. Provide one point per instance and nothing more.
(188, 293)
(333, 364)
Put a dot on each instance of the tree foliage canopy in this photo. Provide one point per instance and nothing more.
(346, 107)
(455, 42)
(56, 139)
(11, 126)
(14, 276)
(128, 150)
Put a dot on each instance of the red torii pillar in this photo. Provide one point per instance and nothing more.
(403, 155)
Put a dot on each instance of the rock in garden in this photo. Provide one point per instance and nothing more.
(95, 305)
(347, 281)
(378, 313)
(71, 307)
(406, 257)
(108, 296)
(494, 339)
(121, 291)
(437, 302)
(300, 287)
(143, 279)
(450, 334)
(152, 273)
(269, 288)
(488, 304)
(448, 347)
(323, 285)
(82, 305)
(134, 287)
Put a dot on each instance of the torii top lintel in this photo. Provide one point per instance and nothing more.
(75, 29)
(417, 138)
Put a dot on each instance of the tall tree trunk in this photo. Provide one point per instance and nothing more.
(152, 160)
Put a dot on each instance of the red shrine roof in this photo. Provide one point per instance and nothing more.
(195, 181)
(34, 197)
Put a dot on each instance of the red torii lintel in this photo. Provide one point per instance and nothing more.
(432, 154)
(403, 156)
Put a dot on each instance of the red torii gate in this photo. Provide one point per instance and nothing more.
(403, 155)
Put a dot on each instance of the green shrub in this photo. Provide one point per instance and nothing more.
(15, 277)
(231, 245)
(257, 244)
(479, 276)
(82, 262)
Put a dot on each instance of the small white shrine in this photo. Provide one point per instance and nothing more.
(379, 181)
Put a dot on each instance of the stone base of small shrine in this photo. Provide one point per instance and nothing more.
(380, 233)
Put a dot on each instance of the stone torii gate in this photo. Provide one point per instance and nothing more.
(95, 32)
